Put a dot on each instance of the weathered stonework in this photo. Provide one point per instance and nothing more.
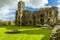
(55, 34)
(43, 16)
(27, 18)
(46, 16)
(19, 13)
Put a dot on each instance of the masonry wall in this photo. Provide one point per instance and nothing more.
(27, 18)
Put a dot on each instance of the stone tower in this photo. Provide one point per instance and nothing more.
(19, 13)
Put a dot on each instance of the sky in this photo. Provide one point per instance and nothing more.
(8, 7)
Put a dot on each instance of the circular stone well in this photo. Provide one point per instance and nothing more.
(13, 31)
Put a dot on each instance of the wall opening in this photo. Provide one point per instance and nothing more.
(42, 15)
(42, 21)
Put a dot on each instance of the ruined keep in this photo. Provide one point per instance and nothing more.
(43, 16)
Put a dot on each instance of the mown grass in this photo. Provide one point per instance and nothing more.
(26, 33)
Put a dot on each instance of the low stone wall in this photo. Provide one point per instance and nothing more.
(55, 34)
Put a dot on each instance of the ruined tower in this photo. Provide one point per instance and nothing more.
(19, 13)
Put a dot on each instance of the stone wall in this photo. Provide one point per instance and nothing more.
(27, 18)
(55, 34)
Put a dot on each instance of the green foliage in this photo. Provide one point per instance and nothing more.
(27, 33)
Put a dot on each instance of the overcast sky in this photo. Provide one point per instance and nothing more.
(8, 7)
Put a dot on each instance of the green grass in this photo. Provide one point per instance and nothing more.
(27, 33)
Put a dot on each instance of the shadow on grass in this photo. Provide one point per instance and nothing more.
(44, 32)
(12, 32)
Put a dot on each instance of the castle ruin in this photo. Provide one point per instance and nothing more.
(43, 16)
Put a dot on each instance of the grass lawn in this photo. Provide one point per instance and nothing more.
(27, 33)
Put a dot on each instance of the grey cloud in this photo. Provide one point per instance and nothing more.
(8, 2)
